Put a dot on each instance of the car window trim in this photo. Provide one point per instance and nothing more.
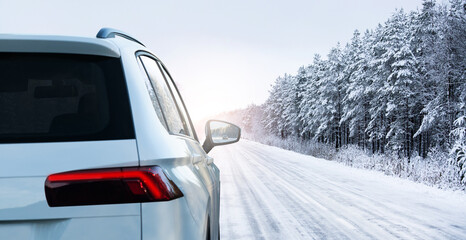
(150, 55)
(168, 80)
(182, 101)
(163, 81)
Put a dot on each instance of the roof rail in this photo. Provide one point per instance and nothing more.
(111, 33)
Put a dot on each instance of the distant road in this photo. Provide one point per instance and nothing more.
(269, 193)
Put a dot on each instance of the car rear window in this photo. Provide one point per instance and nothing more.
(62, 97)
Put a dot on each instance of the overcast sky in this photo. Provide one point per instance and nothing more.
(222, 54)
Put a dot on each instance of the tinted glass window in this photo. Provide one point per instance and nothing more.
(164, 96)
(62, 97)
(178, 101)
(153, 97)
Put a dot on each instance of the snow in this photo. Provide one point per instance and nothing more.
(271, 193)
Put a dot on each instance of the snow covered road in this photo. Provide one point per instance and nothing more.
(270, 193)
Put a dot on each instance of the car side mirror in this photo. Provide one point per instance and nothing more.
(220, 133)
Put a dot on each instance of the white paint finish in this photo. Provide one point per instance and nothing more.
(188, 180)
(40, 230)
(42, 159)
(194, 190)
(193, 181)
(26, 166)
(24, 212)
(184, 218)
(208, 174)
(170, 220)
(57, 44)
(270, 193)
(23, 199)
(154, 142)
(175, 154)
(20, 193)
(121, 227)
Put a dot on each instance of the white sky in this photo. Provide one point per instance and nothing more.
(222, 54)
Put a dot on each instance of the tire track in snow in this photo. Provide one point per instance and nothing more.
(327, 229)
(263, 205)
(394, 214)
(233, 217)
(340, 208)
(340, 227)
(283, 223)
(270, 193)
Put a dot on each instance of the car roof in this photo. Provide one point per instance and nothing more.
(58, 44)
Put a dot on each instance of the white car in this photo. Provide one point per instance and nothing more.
(96, 143)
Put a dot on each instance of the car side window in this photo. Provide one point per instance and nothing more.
(178, 100)
(165, 99)
(153, 96)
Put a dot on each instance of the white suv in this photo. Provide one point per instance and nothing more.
(96, 143)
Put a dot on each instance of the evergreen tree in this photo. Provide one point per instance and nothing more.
(399, 88)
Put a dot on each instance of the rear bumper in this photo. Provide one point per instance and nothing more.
(160, 220)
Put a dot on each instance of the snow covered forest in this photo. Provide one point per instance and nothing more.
(392, 99)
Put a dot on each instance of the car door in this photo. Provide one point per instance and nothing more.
(173, 115)
(203, 162)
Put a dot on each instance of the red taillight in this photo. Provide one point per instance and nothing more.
(110, 186)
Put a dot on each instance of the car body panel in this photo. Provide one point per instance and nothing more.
(42, 159)
(23, 207)
(182, 157)
(92, 228)
(169, 220)
(154, 142)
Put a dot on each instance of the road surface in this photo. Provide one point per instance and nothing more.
(270, 193)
